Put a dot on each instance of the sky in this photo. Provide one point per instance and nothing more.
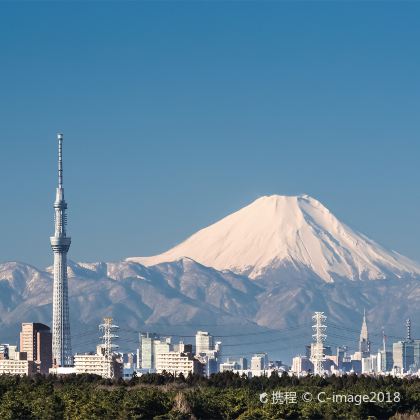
(178, 113)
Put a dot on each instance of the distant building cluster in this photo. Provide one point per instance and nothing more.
(160, 354)
(402, 360)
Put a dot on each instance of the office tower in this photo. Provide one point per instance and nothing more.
(36, 342)
(203, 342)
(403, 355)
(259, 361)
(151, 345)
(385, 361)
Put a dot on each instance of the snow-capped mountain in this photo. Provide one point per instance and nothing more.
(290, 235)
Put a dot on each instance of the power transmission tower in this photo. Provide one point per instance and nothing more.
(108, 347)
(319, 337)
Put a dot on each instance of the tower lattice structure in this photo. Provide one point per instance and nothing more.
(60, 244)
(319, 337)
(108, 346)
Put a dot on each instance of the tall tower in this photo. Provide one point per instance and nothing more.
(108, 347)
(364, 343)
(60, 244)
(319, 336)
(408, 327)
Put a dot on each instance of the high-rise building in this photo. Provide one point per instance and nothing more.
(406, 353)
(259, 361)
(341, 355)
(36, 342)
(385, 361)
(364, 343)
(203, 342)
(403, 355)
(302, 364)
(60, 244)
(151, 345)
(416, 345)
(243, 363)
(208, 352)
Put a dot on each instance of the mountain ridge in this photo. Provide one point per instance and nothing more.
(297, 230)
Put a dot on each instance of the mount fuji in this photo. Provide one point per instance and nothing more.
(277, 234)
(268, 266)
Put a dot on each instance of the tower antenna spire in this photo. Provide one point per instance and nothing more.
(408, 326)
(60, 160)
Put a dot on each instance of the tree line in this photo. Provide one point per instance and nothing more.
(222, 396)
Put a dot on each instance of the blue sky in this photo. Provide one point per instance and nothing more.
(178, 113)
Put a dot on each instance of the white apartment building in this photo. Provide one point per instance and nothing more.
(175, 363)
(18, 365)
(96, 364)
(89, 363)
(228, 366)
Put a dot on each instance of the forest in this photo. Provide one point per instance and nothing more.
(222, 396)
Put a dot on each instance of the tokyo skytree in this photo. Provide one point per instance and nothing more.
(60, 244)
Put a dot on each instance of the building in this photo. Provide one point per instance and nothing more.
(341, 355)
(243, 363)
(302, 365)
(385, 361)
(228, 366)
(36, 341)
(97, 364)
(208, 352)
(13, 352)
(4, 351)
(175, 363)
(416, 345)
(60, 244)
(370, 364)
(130, 360)
(18, 365)
(384, 358)
(203, 342)
(183, 348)
(151, 345)
(259, 361)
(92, 363)
(403, 355)
(364, 343)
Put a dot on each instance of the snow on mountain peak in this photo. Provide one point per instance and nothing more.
(277, 232)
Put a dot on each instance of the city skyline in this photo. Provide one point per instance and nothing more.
(155, 352)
